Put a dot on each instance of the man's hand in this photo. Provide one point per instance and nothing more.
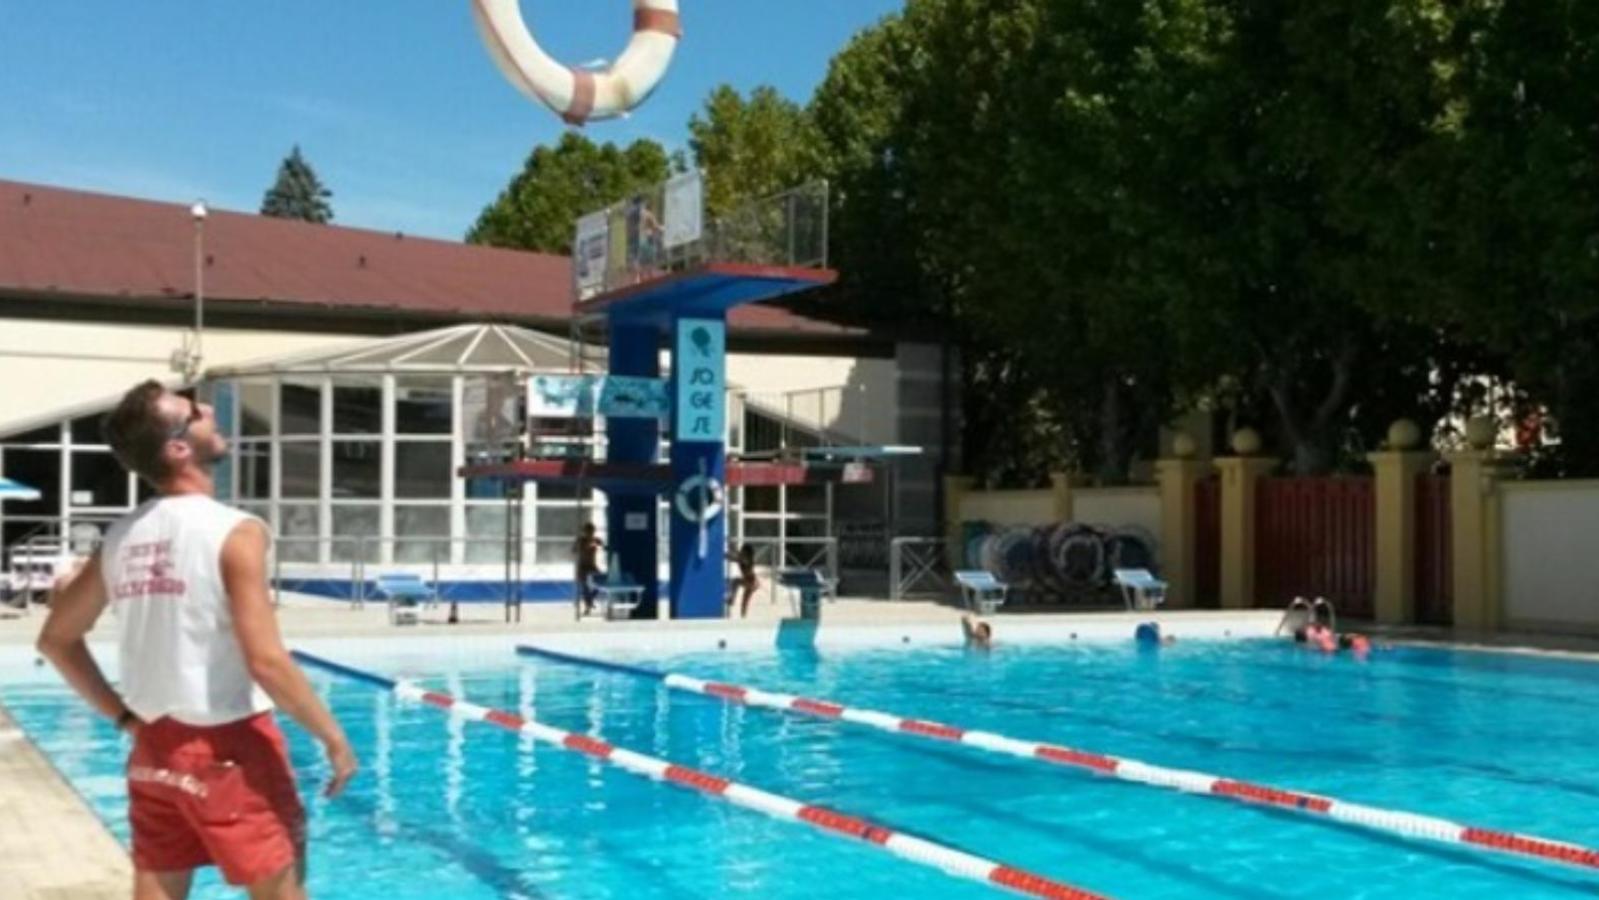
(342, 759)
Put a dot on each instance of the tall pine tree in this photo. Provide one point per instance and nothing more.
(298, 193)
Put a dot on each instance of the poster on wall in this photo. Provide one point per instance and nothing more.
(699, 361)
(585, 396)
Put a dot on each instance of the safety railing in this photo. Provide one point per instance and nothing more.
(917, 566)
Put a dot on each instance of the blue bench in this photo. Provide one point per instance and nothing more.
(981, 591)
(404, 592)
(1140, 589)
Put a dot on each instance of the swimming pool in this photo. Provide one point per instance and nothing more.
(451, 809)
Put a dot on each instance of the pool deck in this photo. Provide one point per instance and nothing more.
(53, 846)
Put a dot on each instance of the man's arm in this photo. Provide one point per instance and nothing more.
(256, 628)
(74, 608)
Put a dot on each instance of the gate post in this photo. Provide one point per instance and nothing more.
(1240, 478)
(1476, 530)
(1178, 479)
(1394, 538)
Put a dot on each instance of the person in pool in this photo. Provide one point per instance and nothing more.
(1320, 637)
(978, 633)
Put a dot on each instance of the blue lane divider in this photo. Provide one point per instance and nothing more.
(329, 665)
(636, 671)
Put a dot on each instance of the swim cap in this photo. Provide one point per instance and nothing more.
(1147, 633)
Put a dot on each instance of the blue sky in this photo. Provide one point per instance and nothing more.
(393, 101)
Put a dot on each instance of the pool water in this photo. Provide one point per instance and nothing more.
(448, 809)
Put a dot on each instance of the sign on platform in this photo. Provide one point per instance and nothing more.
(685, 209)
(588, 396)
(591, 253)
(699, 361)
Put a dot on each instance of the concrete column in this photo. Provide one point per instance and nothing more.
(956, 487)
(1178, 562)
(1474, 509)
(1240, 477)
(1395, 534)
(1060, 488)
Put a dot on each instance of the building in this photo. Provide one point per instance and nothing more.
(338, 357)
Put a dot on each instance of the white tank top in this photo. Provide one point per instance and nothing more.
(162, 565)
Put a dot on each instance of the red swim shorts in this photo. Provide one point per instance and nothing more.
(221, 795)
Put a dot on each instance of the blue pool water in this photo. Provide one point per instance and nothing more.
(445, 809)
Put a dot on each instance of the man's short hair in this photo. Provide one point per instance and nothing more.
(137, 431)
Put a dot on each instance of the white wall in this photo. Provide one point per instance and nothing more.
(1009, 507)
(865, 410)
(1118, 507)
(1551, 570)
(46, 367)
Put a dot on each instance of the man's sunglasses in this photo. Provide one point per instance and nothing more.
(195, 415)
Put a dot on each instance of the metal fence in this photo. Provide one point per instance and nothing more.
(916, 567)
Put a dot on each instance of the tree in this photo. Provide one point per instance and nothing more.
(750, 149)
(540, 207)
(298, 193)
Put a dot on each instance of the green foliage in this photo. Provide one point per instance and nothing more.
(298, 193)
(540, 207)
(749, 149)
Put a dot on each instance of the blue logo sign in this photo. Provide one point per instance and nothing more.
(699, 364)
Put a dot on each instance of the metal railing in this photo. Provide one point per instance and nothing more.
(772, 554)
(628, 241)
(813, 417)
(35, 560)
(917, 567)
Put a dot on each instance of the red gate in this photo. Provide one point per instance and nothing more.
(1207, 543)
(1314, 537)
(1435, 581)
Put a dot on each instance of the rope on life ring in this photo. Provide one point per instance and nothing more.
(578, 95)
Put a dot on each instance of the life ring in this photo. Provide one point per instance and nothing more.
(577, 95)
(690, 489)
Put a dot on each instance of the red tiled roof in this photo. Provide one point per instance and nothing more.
(70, 243)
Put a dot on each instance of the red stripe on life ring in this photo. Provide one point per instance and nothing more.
(583, 90)
(664, 21)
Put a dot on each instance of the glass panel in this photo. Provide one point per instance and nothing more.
(485, 530)
(558, 522)
(298, 532)
(98, 480)
(302, 407)
(412, 524)
(39, 469)
(355, 522)
(255, 470)
(422, 470)
(423, 406)
(358, 407)
(255, 410)
(302, 469)
(86, 430)
(357, 470)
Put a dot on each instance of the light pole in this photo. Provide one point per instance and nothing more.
(192, 364)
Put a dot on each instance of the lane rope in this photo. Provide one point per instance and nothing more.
(1397, 822)
(921, 851)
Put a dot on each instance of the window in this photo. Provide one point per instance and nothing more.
(358, 407)
(485, 533)
(86, 430)
(255, 470)
(422, 534)
(98, 480)
(357, 470)
(38, 469)
(255, 410)
(355, 533)
(302, 407)
(298, 531)
(302, 470)
(424, 406)
(422, 470)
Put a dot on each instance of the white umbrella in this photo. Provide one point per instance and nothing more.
(13, 490)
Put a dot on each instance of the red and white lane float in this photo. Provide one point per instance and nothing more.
(1396, 822)
(921, 851)
(579, 95)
